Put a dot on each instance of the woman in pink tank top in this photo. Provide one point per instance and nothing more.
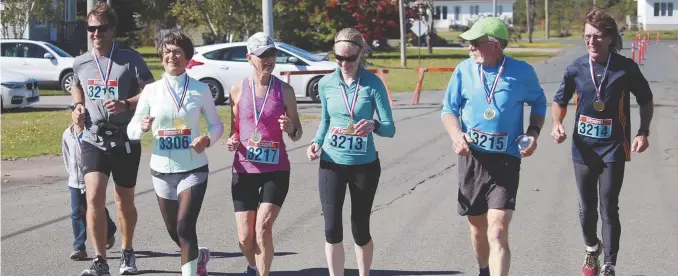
(263, 108)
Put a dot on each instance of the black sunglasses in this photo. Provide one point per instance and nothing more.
(101, 28)
(343, 58)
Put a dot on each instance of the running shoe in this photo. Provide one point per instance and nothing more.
(591, 265)
(128, 262)
(78, 255)
(250, 272)
(98, 268)
(202, 263)
(608, 270)
(110, 242)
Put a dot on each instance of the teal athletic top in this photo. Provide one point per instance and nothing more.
(338, 145)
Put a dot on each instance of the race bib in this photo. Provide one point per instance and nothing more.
(348, 143)
(174, 139)
(595, 128)
(489, 141)
(96, 90)
(266, 152)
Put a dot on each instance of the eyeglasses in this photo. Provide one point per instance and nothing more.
(101, 28)
(593, 37)
(343, 58)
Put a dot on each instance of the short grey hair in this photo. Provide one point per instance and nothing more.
(502, 42)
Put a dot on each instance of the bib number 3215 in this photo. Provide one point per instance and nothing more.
(174, 139)
(595, 128)
(489, 141)
(349, 143)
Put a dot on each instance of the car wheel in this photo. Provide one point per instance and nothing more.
(67, 82)
(312, 90)
(216, 89)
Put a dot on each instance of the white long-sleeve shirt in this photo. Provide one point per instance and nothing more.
(71, 155)
(171, 153)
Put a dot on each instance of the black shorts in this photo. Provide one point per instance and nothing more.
(250, 189)
(487, 181)
(123, 165)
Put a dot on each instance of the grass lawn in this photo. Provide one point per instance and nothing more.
(405, 79)
(663, 35)
(452, 37)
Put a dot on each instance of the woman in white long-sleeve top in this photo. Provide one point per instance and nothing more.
(171, 108)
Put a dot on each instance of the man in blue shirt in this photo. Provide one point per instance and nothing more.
(483, 114)
(601, 83)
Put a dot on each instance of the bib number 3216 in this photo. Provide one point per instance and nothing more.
(174, 139)
(96, 90)
(595, 128)
(349, 143)
(266, 152)
(489, 141)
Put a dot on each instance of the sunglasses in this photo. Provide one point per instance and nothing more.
(100, 28)
(478, 42)
(343, 58)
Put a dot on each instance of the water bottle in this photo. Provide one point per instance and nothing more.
(523, 142)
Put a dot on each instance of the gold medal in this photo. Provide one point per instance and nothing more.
(255, 137)
(489, 113)
(350, 129)
(179, 123)
(598, 105)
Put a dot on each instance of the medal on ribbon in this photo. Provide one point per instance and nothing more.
(598, 105)
(107, 74)
(179, 102)
(256, 135)
(350, 128)
(490, 113)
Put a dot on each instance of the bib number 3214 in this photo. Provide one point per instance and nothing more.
(595, 128)
(349, 143)
(266, 152)
(174, 139)
(96, 90)
(489, 141)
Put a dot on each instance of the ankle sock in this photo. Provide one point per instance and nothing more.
(485, 271)
(190, 268)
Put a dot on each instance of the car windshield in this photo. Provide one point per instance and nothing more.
(303, 53)
(58, 50)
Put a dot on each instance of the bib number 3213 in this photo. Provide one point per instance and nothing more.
(349, 143)
(489, 141)
(174, 139)
(266, 152)
(595, 128)
(96, 90)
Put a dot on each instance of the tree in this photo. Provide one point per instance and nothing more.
(226, 19)
(314, 28)
(18, 13)
(377, 20)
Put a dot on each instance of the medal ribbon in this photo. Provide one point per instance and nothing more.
(350, 108)
(178, 102)
(108, 67)
(598, 87)
(494, 85)
(257, 114)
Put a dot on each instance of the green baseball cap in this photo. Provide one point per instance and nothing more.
(491, 26)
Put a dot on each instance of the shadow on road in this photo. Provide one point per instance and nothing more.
(153, 254)
(376, 272)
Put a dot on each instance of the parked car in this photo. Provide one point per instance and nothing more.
(17, 89)
(222, 65)
(48, 64)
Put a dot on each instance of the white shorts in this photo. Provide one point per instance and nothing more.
(169, 186)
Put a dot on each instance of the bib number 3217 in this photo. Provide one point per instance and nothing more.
(266, 152)
(489, 141)
(349, 143)
(595, 128)
(174, 139)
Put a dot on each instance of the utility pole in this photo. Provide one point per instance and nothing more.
(548, 34)
(267, 10)
(494, 8)
(403, 38)
(594, 3)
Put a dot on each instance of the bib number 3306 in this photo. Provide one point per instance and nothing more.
(348, 142)
(266, 152)
(174, 139)
(489, 141)
(96, 90)
(595, 128)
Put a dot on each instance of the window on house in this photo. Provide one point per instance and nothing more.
(457, 11)
(477, 9)
(663, 9)
(500, 9)
(444, 12)
(670, 8)
(656, 9)
(436, 14)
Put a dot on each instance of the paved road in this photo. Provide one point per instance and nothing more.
(414, 222)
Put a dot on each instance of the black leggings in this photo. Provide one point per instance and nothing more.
(362, 184)
(181, 217)
(611, 176)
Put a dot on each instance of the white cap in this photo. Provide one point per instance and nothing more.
(258, 43)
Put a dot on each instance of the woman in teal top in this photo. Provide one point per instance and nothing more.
(350, 96)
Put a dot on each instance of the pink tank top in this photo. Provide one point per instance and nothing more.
(269, 154)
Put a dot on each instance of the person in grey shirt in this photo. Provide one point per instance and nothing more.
(105, 92)
(70, 150)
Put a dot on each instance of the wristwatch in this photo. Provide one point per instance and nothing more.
(643, 132)
(377, 125)
(126, 104)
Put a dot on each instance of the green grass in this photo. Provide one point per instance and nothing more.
(405, 79)
(453, 37)
(663, 35)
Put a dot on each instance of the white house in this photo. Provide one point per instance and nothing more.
(657, 14)
(455, 14)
